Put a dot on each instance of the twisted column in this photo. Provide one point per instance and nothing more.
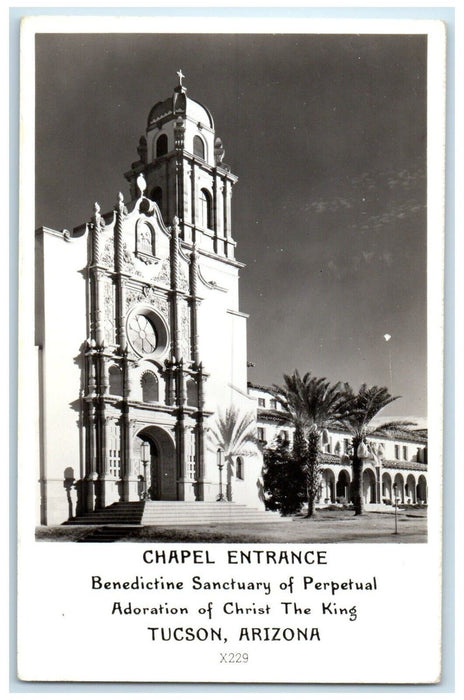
(96, 276)
(175, 286)
(194, 303)
(118, 266)
(96, 234)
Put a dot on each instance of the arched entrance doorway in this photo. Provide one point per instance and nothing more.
(156, 463)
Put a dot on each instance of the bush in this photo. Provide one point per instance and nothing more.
(283, 479)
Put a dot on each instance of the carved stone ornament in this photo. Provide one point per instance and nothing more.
(141, 183)
(148, 295)
(183, 281)
(109, 312)
(128, 260)
(109, 332)
(108, 254)
(164, 274)
(98, 218)
(185, 331)
(144, 240)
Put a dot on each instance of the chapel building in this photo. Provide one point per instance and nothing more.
(140, 342)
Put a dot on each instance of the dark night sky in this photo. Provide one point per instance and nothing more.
(328, 137)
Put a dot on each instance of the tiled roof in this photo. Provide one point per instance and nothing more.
(398, 464)
(416, 436)
(274, 415)
(327, 458)
(405, 435)
(260, 387)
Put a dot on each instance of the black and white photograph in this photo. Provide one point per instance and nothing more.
(237, 259)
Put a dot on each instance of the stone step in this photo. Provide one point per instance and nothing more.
(110, 533)
(175, 513)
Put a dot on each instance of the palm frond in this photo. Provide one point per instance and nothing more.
(232, 432)
(363, 407)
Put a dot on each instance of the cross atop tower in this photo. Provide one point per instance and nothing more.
(181, 75)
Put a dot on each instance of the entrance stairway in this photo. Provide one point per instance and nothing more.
(172, 513)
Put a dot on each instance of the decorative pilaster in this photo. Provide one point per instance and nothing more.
(127, 384)
(227, 209)
(91, 382)
(193, 201)
(169, 378)
(200, 435)
(219, 205)
(175, 286)
(104, 379)
(103, 439)
(91, 451)
(179, 133)
(194, 304)
(121, 212)
(126, 462)
(118, 241)
(180, 431)
(100, 453)
(216, 245)
(96, 277)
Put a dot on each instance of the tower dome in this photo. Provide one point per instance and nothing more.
(179, 105)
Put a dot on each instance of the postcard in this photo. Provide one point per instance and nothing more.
(231, 350)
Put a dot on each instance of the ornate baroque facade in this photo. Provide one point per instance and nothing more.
(139, 335)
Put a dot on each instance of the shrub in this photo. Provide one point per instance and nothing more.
(283, 479)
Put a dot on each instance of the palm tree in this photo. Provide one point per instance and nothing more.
(362, 408)
(313, 405)
(232, 433)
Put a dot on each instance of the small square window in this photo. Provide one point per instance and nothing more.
(261, 402)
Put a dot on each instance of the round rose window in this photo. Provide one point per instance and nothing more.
(142, 334)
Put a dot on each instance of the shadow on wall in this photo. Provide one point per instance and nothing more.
(260, 487)
(74, 494)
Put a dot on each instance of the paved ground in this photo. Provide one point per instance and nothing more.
(326, 526)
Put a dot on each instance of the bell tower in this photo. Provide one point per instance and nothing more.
(181, 159)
